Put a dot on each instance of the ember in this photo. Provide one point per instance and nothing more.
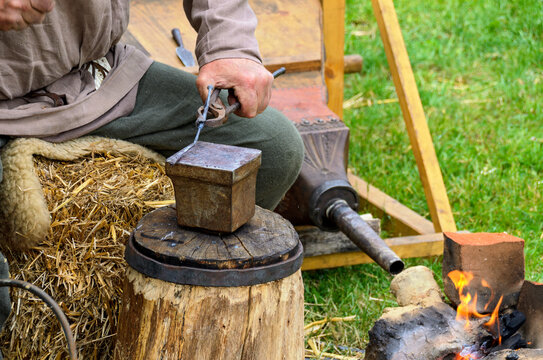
(472, 352)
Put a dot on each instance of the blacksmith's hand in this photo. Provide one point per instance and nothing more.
(19, 14)
(249, 82)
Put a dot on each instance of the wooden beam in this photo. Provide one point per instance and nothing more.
(404, 221)
(352, 63)
(404, 247)
(413, 113)
(334, 40)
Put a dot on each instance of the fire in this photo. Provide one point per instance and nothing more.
(467, 308)
(469, 354)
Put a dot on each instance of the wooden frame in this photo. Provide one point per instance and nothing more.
(425, 238)
(408, 95)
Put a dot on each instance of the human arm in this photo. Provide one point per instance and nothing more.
(19, 14)
(228, 54)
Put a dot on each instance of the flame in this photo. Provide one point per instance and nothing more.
(494, 322)
(467, 308)
(466, 357)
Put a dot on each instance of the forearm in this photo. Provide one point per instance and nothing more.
(225, 29)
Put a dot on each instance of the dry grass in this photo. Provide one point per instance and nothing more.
(317, 334)
(94, 203)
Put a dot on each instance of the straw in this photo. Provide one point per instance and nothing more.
(95, 203)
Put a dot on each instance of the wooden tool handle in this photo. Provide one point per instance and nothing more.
(177, 36)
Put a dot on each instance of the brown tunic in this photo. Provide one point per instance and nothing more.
(51, 57)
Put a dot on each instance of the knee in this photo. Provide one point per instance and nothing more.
(282, 158)
(289, 147)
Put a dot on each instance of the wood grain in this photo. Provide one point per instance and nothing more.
(160, 320)
(413, 113)
(266, 239)
(334, 40)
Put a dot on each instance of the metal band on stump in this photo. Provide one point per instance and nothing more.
(265, 249)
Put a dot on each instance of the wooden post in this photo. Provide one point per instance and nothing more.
(413, 113)
(334, 41)
(184, 320)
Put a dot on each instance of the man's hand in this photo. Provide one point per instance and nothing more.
(19, 14)
(249, 80)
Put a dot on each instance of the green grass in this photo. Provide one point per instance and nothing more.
(479, 70)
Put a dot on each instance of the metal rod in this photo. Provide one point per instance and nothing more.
(201, 122)
(203, 118)
(360, 233)
(279, 71)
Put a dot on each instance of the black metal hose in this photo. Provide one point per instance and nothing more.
(360, 233)
(52, 304)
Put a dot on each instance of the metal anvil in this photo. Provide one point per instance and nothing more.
(215, 186)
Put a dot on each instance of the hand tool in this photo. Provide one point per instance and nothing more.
(184, 55)
(218, 110)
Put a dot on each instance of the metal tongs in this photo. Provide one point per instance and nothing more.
(213, 113)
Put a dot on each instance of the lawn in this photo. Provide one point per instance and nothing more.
(479, 69)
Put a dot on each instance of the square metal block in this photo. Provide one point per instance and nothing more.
(215, 186)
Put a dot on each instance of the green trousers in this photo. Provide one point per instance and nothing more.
(163, 120)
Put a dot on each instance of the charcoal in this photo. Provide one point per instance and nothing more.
(486, 343)
(512, 356)
(510, 322)
(514, 342)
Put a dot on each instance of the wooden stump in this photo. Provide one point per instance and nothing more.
(164, 320)
(160, 320)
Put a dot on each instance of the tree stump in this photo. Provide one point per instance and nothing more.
(221, 320)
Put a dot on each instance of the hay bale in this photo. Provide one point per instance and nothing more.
(94, 203)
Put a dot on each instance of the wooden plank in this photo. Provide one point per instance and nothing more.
(404, 221)
(298, 80)
(413, 113)
(288, 32)
(404, 247)
(334, 40)
(151, 23)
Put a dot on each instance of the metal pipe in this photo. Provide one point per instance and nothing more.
(360, 233)
(64, 324)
